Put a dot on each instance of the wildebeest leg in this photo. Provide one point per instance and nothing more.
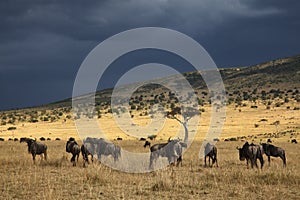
(152, 159)
(33, 158)
(216, 161)
(283, 159)
(45, 155)
(86, 158)
(255, 162)
(205, 161)
(99, 157)
(92, 158)
(261, 159)
(252, 162)
(247, 160)
(73, 159)
(179, 161)
(172, 160)
(269, 160)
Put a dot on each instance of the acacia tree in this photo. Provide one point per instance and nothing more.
(188, 114)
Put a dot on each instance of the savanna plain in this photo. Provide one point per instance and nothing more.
(56, 178)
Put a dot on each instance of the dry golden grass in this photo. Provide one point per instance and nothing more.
(58, 179)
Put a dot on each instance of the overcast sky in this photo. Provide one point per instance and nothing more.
(43, 43)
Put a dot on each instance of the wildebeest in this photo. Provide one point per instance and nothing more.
(172, 150)
(42, 138)
(16, 139)
(251, 152)
(210, 151)
(271, 150)
(142, 139)
(1, 139)
(35, 148)
(74, 148)
(294, 141)
(87, 149)
(269, 141)
(119, 138)
(147, 143)
(106, 148)
(102, 147)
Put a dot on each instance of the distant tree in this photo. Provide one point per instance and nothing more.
(187, 115)
(276, 124)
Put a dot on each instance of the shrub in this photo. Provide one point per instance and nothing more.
(133, 107)
(152, 137)
(11, 128)
(33, 120)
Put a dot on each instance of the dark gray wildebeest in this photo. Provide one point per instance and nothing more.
(102, 147)
(271, 150)
(73, 148)
(35, 148)
(251, 152)
(172, 150)
(87, 148)
(294, 141)
(147, 143)
(210, 151)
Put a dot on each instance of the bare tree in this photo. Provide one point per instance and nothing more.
(188, 114)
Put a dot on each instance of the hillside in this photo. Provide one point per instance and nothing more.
(282, 74)
(257, 96)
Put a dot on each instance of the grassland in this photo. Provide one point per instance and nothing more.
(57, 179)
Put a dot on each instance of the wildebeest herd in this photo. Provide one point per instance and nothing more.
(172, 150)
(253, 152)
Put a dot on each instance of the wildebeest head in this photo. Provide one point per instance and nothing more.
(243, 151)
(29, 141)
(70, 143)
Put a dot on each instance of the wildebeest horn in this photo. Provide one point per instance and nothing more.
(169, 139)
(237, 148)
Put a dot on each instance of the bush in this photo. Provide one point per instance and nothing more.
(33, 120)
(133, 107)
(11, 128)
(152, 137)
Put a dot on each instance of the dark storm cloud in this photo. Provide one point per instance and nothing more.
(42, 43)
